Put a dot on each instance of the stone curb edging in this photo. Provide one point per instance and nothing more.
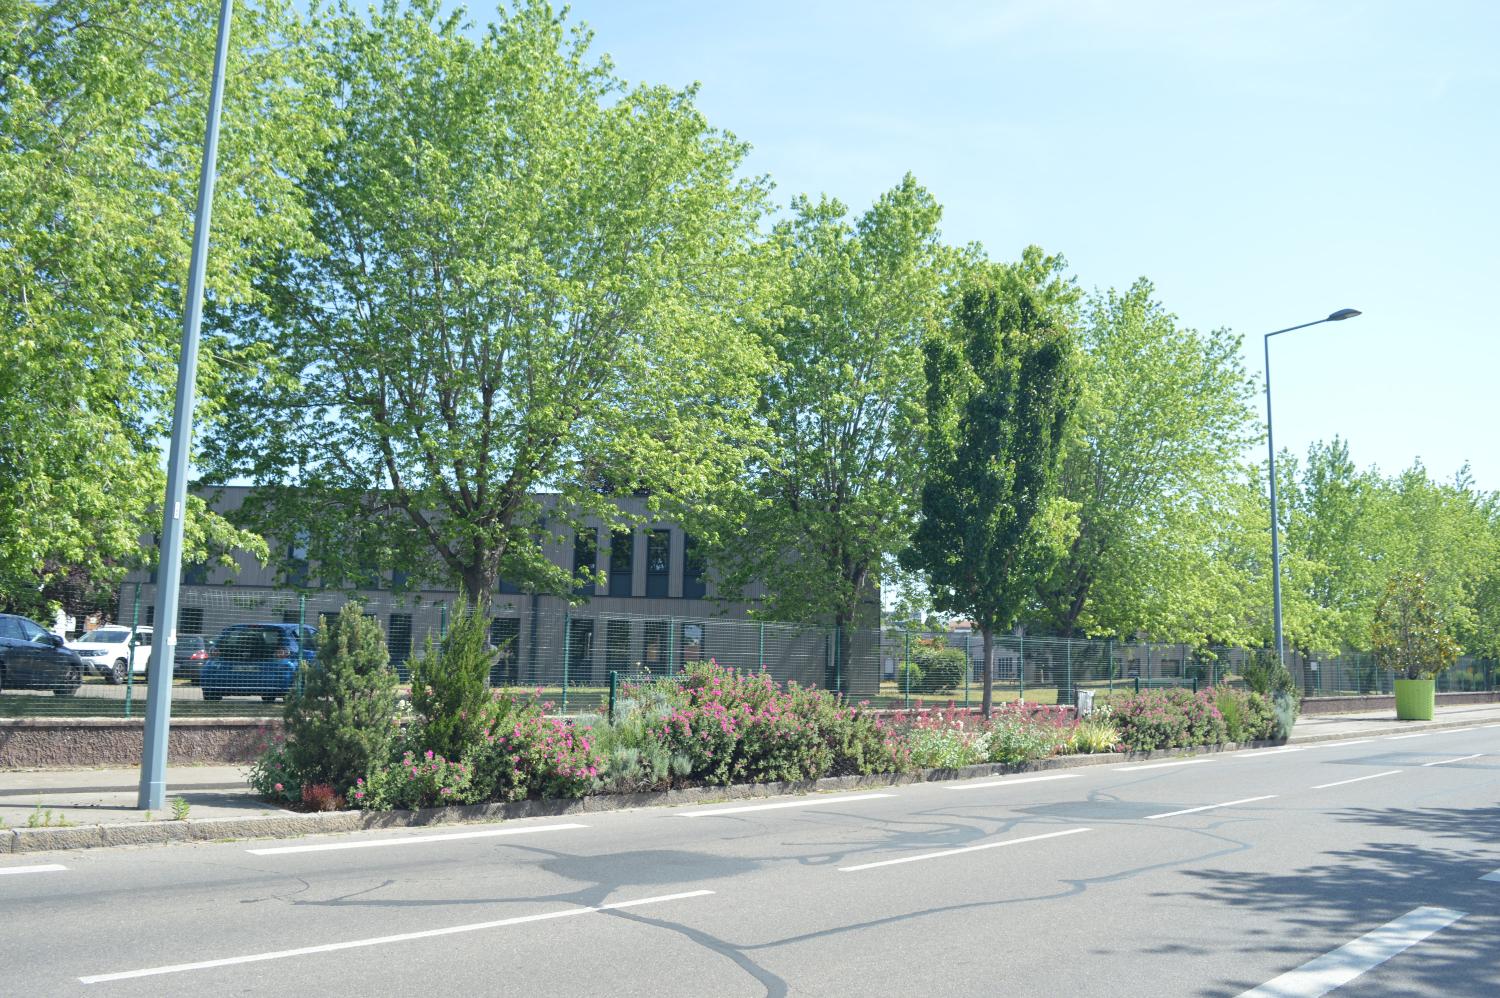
(289, 824)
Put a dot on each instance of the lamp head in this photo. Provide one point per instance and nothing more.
(1343, 313)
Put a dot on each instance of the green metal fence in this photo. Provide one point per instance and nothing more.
(239, 650)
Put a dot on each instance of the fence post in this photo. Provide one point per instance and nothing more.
(1109, 656)
(968, 665)
(1021, 670)
(301, 629)
(442, 621)
(614, 689)
(761, 654)
(567, 655)
(907, 670)
(838, 666)
(135, 622)
(1071, 692)
(1137, 683)
(671, 646)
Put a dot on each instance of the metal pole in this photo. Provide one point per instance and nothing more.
(301, 642)
(761, 654)
(968, 666)
(152, 793)
(907, 670)
(1275, 531)
(567, 655)
(1021, 670)
(135, 623)
(614, 689)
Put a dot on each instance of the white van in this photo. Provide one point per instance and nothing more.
(106, 651)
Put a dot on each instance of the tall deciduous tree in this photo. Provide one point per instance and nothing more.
(1164, 416)
(1000, 393)
(534, 279)
(102, 108)
(838, 488)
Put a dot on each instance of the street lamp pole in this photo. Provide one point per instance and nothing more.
(153, 784)
(1339, 316)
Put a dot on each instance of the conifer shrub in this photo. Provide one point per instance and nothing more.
(450, 686)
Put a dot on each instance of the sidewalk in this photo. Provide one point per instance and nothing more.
(92, 807)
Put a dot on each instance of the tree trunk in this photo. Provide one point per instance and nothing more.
(477, 584)
(988, 671)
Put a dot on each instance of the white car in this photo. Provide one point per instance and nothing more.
(106, 651)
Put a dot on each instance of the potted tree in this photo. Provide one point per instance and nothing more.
(1409, 638)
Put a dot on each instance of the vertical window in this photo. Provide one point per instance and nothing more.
(507, 588)
(296, 560)
(150, 620)
(692, 644)
(654, 651)
(505, 635)
(585, 560)
(617, 645)
(580, 651)
(289, 616)
(658, 562)
(693, 565)
(400, 638)
(622, 563)
(190, 620)
(195, 575)
(398, 579)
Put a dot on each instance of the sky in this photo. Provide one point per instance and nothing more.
(1263, 163)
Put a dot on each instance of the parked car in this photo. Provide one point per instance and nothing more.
(106, 651)
(257, 660)
(192, 651)
(32, 657)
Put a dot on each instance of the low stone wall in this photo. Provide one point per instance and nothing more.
(76, 743)
(1352, 705)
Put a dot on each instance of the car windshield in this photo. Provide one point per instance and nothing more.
(105, 636)
(254, 644)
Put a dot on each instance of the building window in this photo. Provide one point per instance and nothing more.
(505, 635)
(296, 561)
(693, 565)
(290, 616)
(400, 638)
(692, 644)
(398, 579)
(507, 588)
(195, 575)
(658, 562)
(617, 645)
(585, 561)
(655, 655)
(580, 651)
(190, 620)
(150, 615)
(622, 563)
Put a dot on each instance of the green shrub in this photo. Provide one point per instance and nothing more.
(937, 670)
(632, 758)
(1248, 716)
(1172, 718)
(1409, 634)
(450, 686)
(341, 723)
(523, 753)
(1094, 735)
(1266, 676)
(425, 780)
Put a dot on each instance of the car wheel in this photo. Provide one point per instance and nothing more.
(71, 681)
(116, 674)
(269, 697)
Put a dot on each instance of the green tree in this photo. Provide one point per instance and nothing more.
(102, 109)
(535, 278)
(1409, 634)
(837, 489)
(450, 683)
(1164, 416)
(1000, 393)
(341, 722)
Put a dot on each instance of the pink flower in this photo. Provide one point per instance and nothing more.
(279, 787)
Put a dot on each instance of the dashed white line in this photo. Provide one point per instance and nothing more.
(1494, 877)
(35, 868)
(1162, 765)
(1418, 734)
(1011, 783)
(812, 802)
(965, 849)
(1453, 731)
(1208, 807)
(179, 968)
(413, 840)
(1262, 753)
(1357, 779)
(1356, 741)
(1462, 758)
(1339, 967)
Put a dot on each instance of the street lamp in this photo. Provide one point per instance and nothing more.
(1339, 316)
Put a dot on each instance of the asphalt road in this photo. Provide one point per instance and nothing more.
(1359, 863)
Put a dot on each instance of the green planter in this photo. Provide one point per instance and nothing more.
(1414, 698)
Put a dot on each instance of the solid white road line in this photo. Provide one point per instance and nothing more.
(1357, 779)
(1262, 753)
(38, 868)
(1356, 741)
(1495, 877)
(1418, 734)
(1488, 726)
(1011, 783)
(413, 840)
(1208, 807)
(1462, 758)
(1339, 967)
(1452, 731)
(955, 852)
(178, 968)
(812, 802)
(1161, 765)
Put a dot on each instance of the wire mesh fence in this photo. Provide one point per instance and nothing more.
(240, 651)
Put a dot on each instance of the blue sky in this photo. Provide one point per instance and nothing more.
(1263, 163)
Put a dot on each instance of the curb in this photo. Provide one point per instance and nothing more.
(290, 824)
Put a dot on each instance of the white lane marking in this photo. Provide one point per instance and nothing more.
(1357, 779)
(1488, 726)
(1011, 783)
(775, 807)
(1208, 807)
(1495, 877)
(38, 868)
(1162, 765)
(1339, 967)
(1462, 758)
(1453, 731)
(178, 968)
(1356, 741)
(412, 840)
(1261, 753)
(955, 852)
(1419, 734)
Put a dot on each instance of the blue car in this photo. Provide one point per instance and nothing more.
(257, 660)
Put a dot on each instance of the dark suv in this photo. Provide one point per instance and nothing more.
(31, 657)
(257, 660)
